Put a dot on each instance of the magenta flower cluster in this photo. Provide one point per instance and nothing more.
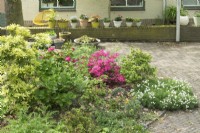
(103, 65)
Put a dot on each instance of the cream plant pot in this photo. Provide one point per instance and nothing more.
(117, 23)
(73, 25)
(106, 24)
(138, 24)
(129, 24)
(184, 20)
(196, 21)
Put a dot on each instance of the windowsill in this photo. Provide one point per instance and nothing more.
(127, 9)
(60, 9)
(192, 7)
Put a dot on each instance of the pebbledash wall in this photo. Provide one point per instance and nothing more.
(153, 9)
(2, 13)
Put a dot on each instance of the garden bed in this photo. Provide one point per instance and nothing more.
(81, 88)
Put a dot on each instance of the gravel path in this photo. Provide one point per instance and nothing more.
(181, 61)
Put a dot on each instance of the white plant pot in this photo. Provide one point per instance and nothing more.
(117, 23)
(106, 24)
(138, 24)
(129, 24)
(73, 25)
(196, 21)
(184, 20)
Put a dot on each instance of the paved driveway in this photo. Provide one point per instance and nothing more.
(180, 60)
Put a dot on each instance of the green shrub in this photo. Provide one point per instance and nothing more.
(59, 80)
(78, 121)
(3, 107)
(42, 41)
(166, 94)
(170, 14)
(136, 66)
(17, 69)
(33, 123)
(15, 29)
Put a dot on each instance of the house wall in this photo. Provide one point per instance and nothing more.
(2, 13)
(2, 6)
(30, 9)
(153, 9)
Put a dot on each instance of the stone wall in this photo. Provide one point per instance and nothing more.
(141, 34)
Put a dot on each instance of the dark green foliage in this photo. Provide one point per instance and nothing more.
(60, 83)
(120, 114)
(78, 121)
(33, 123)
(170, 14)
(136, 66)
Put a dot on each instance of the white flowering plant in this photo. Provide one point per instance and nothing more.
(165, 94)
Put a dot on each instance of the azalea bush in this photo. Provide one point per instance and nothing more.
(103, 65)
(166, 94)
(59, 81)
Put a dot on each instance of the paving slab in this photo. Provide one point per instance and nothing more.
(174, 60)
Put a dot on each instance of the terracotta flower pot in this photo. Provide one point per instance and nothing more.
(83, 23)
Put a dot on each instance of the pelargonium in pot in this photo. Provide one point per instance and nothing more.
(118, 21)
(129, 21)
(106, 22)
(74, 22)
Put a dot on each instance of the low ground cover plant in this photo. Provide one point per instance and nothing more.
(80, 89)
(168, 94)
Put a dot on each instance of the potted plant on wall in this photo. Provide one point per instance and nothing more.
(129, 21)
(196, 19)
(106, 22)
(52, 18)
(74, 22)
(117, 21)
(62, 23)
(95, 21)
(170, 14)
(184, 19)
(83, 20)
(138, 22)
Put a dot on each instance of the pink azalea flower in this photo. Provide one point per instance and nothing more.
(68, 59)
(51, 49)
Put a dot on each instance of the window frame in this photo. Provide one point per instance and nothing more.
(191, 7)
(71, 8)
(128, 8)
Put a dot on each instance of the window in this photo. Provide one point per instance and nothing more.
(58, 4)
(191, 4)
(127, 5)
